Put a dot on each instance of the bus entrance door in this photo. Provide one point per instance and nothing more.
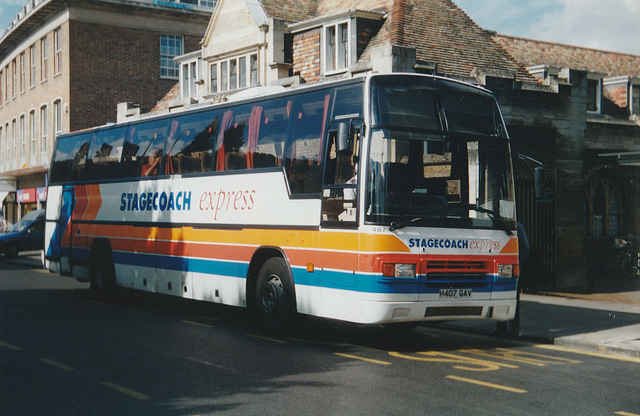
(58, 229)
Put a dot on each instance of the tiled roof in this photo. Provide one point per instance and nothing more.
(291, 11)
(534, 52)
(439, 30)
(444, 34)
(163, 104)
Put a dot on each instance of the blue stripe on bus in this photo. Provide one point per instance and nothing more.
(331, 279)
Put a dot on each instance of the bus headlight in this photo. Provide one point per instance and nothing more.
(399, 270)
(505, 270)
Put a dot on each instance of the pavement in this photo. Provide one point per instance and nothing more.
(606, 320)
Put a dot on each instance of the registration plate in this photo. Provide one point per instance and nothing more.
(455, 293)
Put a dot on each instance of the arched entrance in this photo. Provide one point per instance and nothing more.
(609, 219)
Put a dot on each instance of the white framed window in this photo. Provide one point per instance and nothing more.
(44, 59)
(32, 137)
(57, 59)
(44, 132)
(253, 70)
(170, 47)
(224, 79)
(634, 99)
(23, 140)
(234, 73)
(594, 95)
(7, 142)
(213, 79)
(14, 143)
(6, 84)
(336, 47)
(190, 78)
(57, 118)
(242, 75)
(14, 84)
(32, 65)
(23, 71)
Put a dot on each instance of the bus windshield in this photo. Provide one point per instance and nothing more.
(438, 156)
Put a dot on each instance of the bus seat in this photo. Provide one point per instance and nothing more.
(235, 160)
(264, 160)
(190, 164)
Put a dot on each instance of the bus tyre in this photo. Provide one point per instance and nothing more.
(275, 309)
(103, 275)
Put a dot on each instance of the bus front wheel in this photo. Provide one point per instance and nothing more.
(274, 297)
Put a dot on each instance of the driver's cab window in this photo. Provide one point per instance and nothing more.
(341, 172)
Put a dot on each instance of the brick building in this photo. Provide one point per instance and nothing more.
(566, 117)
(64, 65)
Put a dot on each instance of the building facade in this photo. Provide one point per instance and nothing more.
(608, 176)
(64, 66)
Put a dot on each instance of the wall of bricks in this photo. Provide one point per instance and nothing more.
(40, 92)
(306, 55)
(111, 65)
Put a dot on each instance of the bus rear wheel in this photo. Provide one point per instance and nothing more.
(102, 274)
(274, 297)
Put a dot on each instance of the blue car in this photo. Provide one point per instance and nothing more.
(26, 235)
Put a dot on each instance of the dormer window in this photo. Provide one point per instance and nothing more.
(634, 99)
(341, 37)
(190, 72)
(594, 94)
(336, 47)
(233, 73)
(189, 79)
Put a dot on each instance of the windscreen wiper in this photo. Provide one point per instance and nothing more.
(494, 215)
(397, 225)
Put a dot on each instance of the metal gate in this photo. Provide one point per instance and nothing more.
(538, 217)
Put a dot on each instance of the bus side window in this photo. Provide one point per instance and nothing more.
(103, 160)
(269, 124)
(69, 159)
(302, 161)
(231, 146)
(192, 144)
(142, 141)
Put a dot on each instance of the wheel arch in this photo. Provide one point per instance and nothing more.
(259, 258)
(100, 246)
(102, 274)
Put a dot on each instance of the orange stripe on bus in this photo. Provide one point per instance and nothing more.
(511, 247)
(95, 202)
(81, 202)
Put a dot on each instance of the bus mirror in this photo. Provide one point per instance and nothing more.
(539, 182)
(342, 140)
